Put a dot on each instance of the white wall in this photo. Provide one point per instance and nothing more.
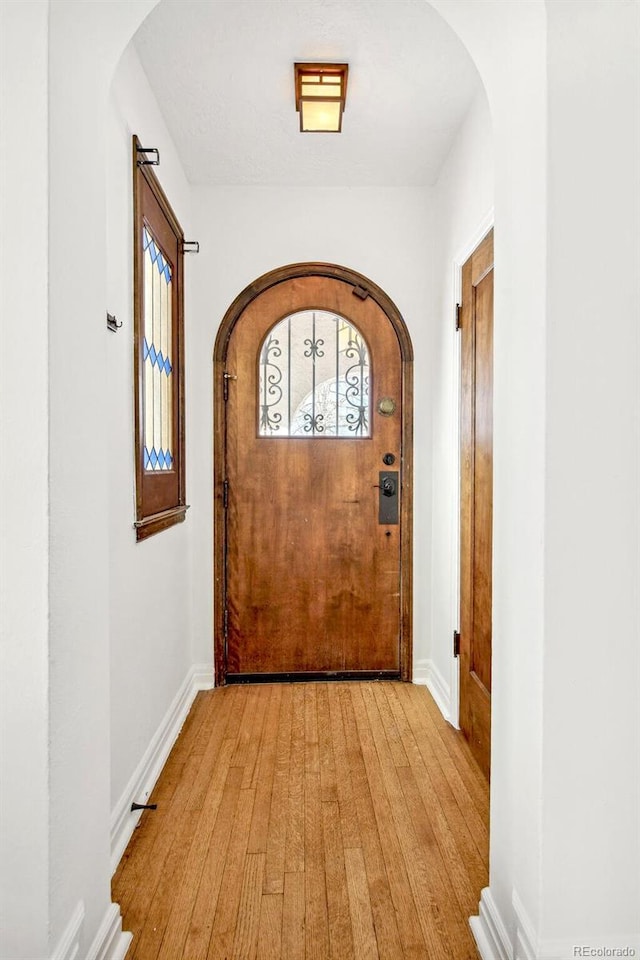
(508, 44)
(244, 232)
(149, 601)
(24, 646)
(85, 42)
(564, 791)
(463, 205)
(591, 735)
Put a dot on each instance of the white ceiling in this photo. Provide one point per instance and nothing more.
(222, 71)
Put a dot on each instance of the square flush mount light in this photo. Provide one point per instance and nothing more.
(321, 92)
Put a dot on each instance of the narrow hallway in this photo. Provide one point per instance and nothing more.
(310, 820)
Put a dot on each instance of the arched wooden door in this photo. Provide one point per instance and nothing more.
(313, 481)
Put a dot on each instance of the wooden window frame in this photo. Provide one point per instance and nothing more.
(160, 495)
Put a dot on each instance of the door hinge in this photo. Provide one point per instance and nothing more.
(456, 643)
(225, 625)
(225, 381)
(225, 494)
(458, 318)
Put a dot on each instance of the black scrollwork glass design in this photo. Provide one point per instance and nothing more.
(314, 377)
(270, 386)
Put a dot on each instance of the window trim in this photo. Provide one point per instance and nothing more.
(149, 484)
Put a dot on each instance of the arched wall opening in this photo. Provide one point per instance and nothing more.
(198, 544)
(80, 74)
(116, 640)
(543, 101)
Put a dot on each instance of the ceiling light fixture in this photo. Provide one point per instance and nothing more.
(321, 92)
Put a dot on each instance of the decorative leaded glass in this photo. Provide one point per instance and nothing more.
(157, 377)
(314, 378)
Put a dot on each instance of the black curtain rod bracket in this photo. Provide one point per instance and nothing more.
(146, 161)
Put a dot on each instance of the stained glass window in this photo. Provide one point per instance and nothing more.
(314, 378)
(158, 371)
(158, 354)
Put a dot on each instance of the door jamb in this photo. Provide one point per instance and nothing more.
(368, 288)
(481, 231)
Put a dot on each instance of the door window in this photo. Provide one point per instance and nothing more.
(314, 378)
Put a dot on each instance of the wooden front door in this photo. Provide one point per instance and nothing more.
(476, 501)
(313, 486)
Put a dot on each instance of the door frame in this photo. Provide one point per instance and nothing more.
(367, 288)
(484, 227)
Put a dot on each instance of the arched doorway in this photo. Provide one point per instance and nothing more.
(312, 562)
(518, 141)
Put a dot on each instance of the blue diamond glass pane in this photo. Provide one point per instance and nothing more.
(158, 390)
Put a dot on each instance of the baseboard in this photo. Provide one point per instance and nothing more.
(202, 674)
(426, 673)
(526, 940)
(489, 930)
(69, 944)
(143, 780)
(493, 941)
(111, 941)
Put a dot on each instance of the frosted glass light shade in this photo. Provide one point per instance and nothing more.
(318, 116)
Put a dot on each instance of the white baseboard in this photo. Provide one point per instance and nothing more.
(143, 780)
(493, 942)
(489, 930)
(425, 672)
(111, 941)
(202, 674)
(69, 943)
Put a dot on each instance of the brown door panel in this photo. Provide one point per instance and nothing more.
(312, 577)
(476, 500)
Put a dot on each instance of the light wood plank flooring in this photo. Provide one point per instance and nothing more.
(318, 820)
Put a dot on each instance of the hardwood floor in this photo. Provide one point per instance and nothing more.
(318, 820)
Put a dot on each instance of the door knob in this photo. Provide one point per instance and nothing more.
(388, 487)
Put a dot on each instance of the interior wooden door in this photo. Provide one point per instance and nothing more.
(476, 511)
(312, 574)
